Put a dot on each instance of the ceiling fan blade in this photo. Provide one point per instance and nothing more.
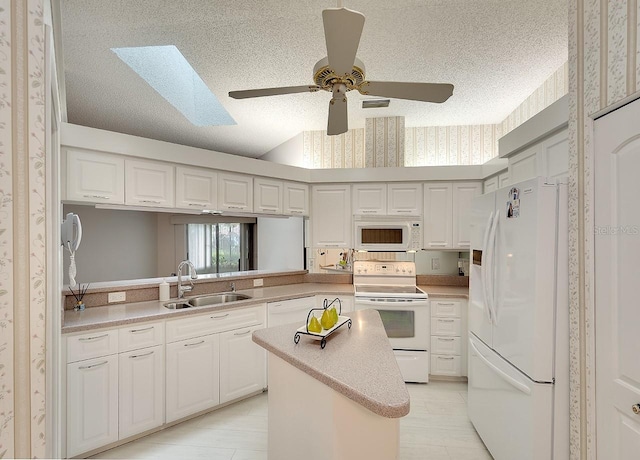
(342, 31)
(273, 91)
(338, 123)
(427, 92)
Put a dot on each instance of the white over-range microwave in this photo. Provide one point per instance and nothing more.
(386, 234)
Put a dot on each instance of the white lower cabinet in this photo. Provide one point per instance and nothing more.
(92, 404)
(192, 376)
(141, 390)
(448, 337)
(242, 364)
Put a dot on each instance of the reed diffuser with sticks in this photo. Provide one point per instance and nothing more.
(80, 306)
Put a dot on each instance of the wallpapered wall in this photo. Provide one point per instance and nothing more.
(425, 146)
(22, 230)
(604, 68)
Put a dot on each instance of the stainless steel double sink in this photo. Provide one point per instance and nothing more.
(206, 300)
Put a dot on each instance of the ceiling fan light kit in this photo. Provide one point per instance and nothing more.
(341, 71)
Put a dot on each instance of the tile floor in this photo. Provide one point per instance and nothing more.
(437, 428)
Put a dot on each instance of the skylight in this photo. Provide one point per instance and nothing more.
(166, 70)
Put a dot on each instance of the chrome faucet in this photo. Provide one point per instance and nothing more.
(192, 276)
(233, 287)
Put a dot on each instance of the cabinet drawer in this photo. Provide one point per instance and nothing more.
(445, 308)
(445, 365)
(445, 326)
(141, 336)
(215, 321)
(92, 345)
(445, 345)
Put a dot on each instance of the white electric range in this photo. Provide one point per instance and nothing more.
(390, 288)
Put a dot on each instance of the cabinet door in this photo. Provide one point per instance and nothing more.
(438, 215)
(404, 199)
(95, 177)
(196, 188)
(192, 376)
(92, 404)
(141, 385)
(370, 199)
(525, 165)
(235, 192)
(148, 183)
(503, 179)
(242, 364)
(555, 155)
(267, 196)
(347, 301)
(491, 184)
(289, 311)
(296, 199)
(331, 216)
(463, 194)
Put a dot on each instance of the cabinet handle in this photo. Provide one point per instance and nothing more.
(446, 320)
(402, 210)
(101, 197)
(150, 201)
(445, 357)
(197, 205)
(442, 303)
(442, 339)
(220, 316)
(295, 212)
(193, 344)
(369, 212)
(141, 330)
(242, 333)
(86, 339)
(235, 207)
(439, 245)
(93, 365)
(140, 356)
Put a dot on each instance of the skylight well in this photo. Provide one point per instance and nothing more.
(166, 70)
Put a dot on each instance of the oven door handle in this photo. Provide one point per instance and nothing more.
(387, 303)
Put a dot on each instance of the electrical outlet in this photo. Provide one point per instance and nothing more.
(435, 263)
(258, 282)
(117, 296)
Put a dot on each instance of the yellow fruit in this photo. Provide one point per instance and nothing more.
(334, 314)
(314, 325)
(326, 320)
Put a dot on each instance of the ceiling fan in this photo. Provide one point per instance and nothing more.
(341, 71)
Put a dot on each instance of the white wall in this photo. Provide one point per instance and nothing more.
(287, 153)
(280, 243)
(116, 245)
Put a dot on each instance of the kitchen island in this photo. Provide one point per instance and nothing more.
(341, 402)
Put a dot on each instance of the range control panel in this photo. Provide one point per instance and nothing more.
(390, 268)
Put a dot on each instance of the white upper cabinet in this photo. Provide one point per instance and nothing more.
(148, 183)
(235, 192)
(438, 215)
(370, 199)
(549, 158)
(331, 215)
(503, 179)
(491, 184)
(94, 177)
(463, 194)
(296, 199)
(267, 195)
(404, 199)
(196, 188)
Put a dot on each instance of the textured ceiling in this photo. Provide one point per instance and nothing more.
(495, 52)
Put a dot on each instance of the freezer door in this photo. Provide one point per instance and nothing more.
(512, 414)
(524, 281)
(482, 215)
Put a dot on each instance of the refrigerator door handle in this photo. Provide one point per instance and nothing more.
(483, 267)
(494, 268)
(507, 378)
(490, 270)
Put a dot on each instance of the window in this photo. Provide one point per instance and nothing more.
(220, 248)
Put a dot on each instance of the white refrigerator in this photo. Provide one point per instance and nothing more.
(518, 397)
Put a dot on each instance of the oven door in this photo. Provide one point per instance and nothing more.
(405, 320)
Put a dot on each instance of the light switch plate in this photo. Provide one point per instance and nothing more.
(117, 297)
(258, 282)
(435, 263)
